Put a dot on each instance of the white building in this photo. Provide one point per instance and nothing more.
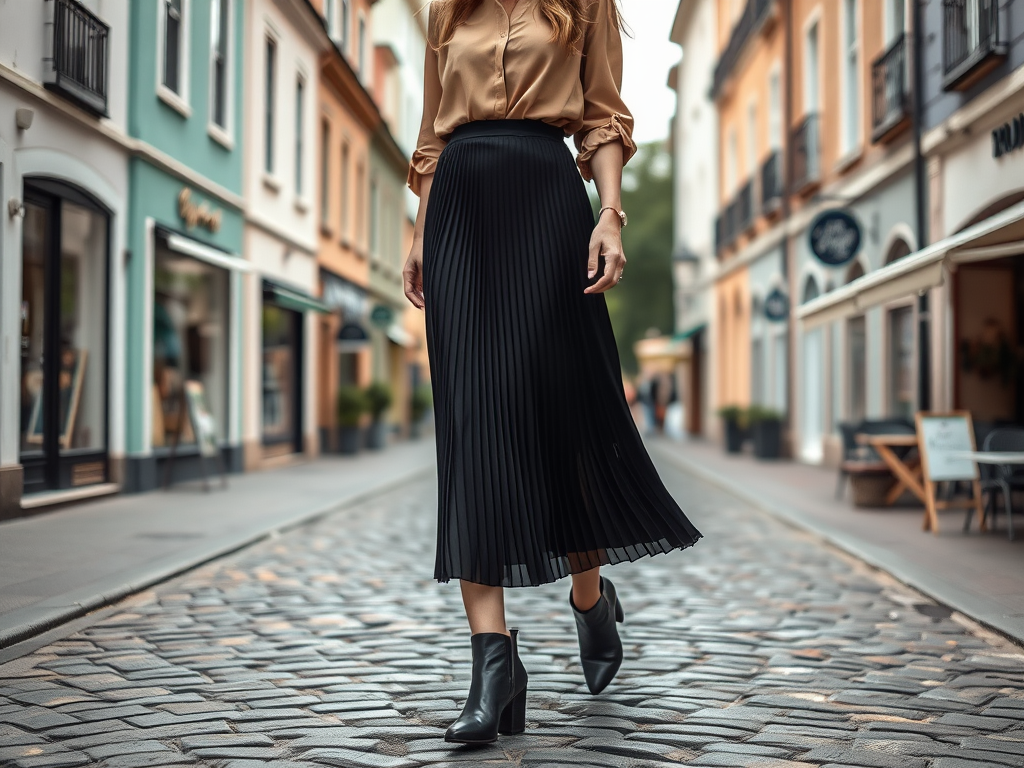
(283, 43)
(64, 186)
(695, 150)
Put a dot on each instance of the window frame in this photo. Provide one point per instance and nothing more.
(270, 45)
(299, 176)
(176, 100)
(850, 134)
(325, 173)
(224, 134)
(344, 199)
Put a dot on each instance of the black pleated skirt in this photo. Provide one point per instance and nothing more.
(541, 470)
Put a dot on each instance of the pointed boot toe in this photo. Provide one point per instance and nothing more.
(600, 645)
(497, 695)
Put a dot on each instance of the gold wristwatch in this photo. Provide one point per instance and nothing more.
(622, 214)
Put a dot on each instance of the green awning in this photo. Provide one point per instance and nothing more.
(290, 298)
(684, 335)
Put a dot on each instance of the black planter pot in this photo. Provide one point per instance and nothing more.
(768, 439)
(377, 435)
(349, 439)
(734, 437)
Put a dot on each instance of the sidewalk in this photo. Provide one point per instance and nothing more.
(981, 575)
(60, 565)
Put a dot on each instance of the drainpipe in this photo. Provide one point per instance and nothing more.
(924, 394)
(788, 267)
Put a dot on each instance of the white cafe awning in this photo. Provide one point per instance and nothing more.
(995, 237)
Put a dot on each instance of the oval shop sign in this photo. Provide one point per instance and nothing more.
(835, 237)
(776, 306)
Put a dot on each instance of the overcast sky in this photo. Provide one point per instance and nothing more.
(647, 57)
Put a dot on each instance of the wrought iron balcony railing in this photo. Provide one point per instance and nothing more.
(890, 92)
(806, 153)
(79, 55)
(771, 182)
(755, 13)
(745, 207)
(970, 32)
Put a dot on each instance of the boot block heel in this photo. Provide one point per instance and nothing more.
(513, 717)
(619, 616)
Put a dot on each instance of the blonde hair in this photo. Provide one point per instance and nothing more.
(566, 17)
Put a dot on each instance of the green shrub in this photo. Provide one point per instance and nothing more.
(378, 397)
(351, 405)
(422, 397)
(733, 413)
(756, 413)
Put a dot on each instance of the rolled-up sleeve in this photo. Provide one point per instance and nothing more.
(428, 145)
(605, 116)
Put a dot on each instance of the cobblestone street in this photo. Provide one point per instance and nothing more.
(331, 645)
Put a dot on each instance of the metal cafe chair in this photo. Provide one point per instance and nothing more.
(1005, 478)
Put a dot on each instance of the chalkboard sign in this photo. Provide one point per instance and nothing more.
(940, 438)
(203, 424)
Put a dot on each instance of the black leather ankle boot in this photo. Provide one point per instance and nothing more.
(600, 646)
(497, 696)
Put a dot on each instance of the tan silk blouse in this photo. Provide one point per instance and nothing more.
(502, 67)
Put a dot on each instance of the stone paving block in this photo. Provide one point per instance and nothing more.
(350, 758)
(126, 748)
(862, 757)
(225, 739)
(64, 759)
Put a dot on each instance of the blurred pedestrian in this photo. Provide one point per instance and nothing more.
(541, 472)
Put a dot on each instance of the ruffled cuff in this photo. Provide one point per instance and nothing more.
(618, 128)
(419, 166)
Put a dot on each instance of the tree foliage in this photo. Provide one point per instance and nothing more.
(643, 299)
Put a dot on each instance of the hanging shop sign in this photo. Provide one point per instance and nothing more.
(1008, 137)
(835, 237)
(776, 306)
(197, 215)
(382, 315)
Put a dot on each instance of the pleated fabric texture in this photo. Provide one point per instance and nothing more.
(541, 470)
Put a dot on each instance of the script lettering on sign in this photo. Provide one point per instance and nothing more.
(200, 215)
(1008, 137)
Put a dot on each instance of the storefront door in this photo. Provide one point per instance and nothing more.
(282, 379)
(63, 339)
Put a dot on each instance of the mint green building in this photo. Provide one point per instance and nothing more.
(184, 239)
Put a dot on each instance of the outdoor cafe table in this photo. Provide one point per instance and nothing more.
(999, 458)
(908, 475)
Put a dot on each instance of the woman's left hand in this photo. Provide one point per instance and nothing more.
(606, 241)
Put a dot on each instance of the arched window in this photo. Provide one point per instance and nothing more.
(811, 290)
(856, 270)
(897, 251)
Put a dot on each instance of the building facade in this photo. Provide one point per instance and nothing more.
(64, 182)
(694, 142)
(185, 236)
(284, 42)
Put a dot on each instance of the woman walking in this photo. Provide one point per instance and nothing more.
(541, 471)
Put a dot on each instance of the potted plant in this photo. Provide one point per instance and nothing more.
(351, 405)
(418, 405)
(766, 429)
(378, 399)
(735, 427)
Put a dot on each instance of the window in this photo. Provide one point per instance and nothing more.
(362, 48)
(811, 81)
(374, 215)
(360, 205)
(325, 172)
(343, 196)
(856, 345)
(331, 17)
(751, 138)
(731, 161)
(901, 362)
(268, 116)
(895, 19)
(174, 56)
(344, 32)
(757, 394)
(282, 376)
(300, 87)
(220, 34)
(775, 111)
(190, 342)
(850, 126)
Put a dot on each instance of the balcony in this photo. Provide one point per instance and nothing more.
(890, 93)
(77, 64)
(756, 16)
(971, 45)
(771, 183)
(719, 232)
(806, 154)
(745, 207)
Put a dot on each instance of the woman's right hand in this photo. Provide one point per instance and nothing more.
(412, 274)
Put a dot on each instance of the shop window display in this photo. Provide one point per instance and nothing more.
(190, 343)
